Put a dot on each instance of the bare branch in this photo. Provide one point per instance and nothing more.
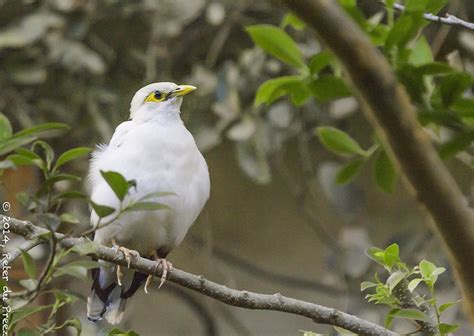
(388, 108)
(233, 297)
(449, 19)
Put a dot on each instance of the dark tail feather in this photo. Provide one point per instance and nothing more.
(107, 298)
(97, 301)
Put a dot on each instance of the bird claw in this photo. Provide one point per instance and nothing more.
(167, 268)
(129, 254)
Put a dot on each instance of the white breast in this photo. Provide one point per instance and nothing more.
(160, 158)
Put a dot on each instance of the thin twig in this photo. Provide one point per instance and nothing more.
(233, 297)
(449, 19)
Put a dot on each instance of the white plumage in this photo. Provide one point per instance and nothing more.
(155, 149)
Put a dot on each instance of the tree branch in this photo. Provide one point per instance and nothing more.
(450, 20)
(243, 299)
(389, 109)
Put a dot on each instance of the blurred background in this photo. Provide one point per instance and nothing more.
(276, 221)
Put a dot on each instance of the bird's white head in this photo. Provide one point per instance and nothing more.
(158, 100)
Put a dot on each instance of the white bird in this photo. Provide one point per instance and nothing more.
(155, 149)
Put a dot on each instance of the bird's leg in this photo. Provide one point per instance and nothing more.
(167, 267)
(129, 254)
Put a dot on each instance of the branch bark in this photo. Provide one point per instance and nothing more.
(233, 297)
(388, 108)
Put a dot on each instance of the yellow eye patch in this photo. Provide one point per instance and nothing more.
(155, 97)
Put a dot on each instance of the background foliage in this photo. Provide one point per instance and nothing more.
(270, 99)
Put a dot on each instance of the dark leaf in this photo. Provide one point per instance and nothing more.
(385, 173)
(349, 171)
(5, 128)
(320, 61)
(36, 130)
(147, 206)
(29, 264)
(117, 182)
(102, 210)
(71, 155)
(329, 87)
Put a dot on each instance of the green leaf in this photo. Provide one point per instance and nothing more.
(74, 322)
(27, 332)
(389, 317)
(414, 283)
(12, 144)
(367, 284)
(71, 155)
(75, 269)
(338, 141)
(391, 255)
(404, 30)
(51, 181)
(21, 160)
(394, 279)
(147, 206)
(47, 150)
(349, 171)
(71, 194)
(447, 328)
(411, 314)
(118, 332)
(117, 182)
(416, 5)
(463, 106)
(453, 86)
(447, 305)
(102, 210)
(277, 43)
(320, 61)
(275, 88)
(433, 68)
(36, 130)
(459, 143)
(158, 194)
(376, 254)
(28, 153)
(329, 87)
(293, 21)
(86, 248)
(421, 54)
(434, 6)
(5, 128)
(29, 264)
(426, 268)
(385, 173)
(69, 218)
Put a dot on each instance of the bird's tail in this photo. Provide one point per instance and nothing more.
(107, 298)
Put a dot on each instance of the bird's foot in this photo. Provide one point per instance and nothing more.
(167, 268)
(129, 254)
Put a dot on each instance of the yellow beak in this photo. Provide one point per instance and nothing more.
(182, 90)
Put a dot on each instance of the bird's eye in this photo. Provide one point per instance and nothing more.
(157, 95)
